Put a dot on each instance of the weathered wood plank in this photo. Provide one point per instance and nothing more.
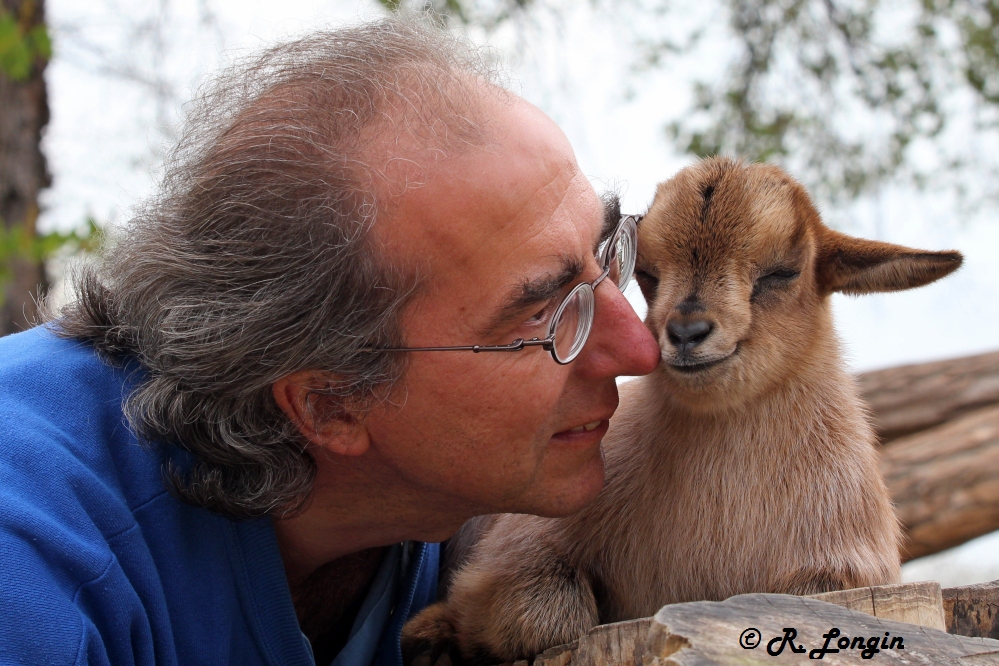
(617, 644)
(911, 398)
(945, 482)
(706, 632)
(915, 606)
(973, 610)
(625, 643)
(916, 603)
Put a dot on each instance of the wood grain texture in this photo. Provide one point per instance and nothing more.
(910, 398)
(945, 482)
(628, 643)
(705, 632)
(916, 603)
(973, 610)
(618, 644)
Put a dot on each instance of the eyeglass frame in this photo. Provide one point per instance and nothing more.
(547, 343)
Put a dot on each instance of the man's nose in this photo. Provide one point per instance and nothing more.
(619, 344)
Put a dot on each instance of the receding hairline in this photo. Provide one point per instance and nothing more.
(404, 143)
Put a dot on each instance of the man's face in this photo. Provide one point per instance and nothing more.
(500, 235)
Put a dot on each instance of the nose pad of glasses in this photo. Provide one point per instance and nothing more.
(572, 324)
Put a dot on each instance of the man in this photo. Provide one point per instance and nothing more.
(230, 440)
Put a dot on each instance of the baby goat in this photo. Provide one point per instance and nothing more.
(745, 463)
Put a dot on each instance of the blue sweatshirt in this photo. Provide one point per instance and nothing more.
(99, 564)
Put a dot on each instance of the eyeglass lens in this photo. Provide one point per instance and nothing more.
(625, 251)
(575, 318)
(573, 325)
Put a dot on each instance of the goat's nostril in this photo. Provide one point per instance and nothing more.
(688, 333)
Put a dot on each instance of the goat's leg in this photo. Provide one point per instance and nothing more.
(500, 611)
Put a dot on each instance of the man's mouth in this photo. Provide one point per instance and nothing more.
(586, 432)
(586, 427)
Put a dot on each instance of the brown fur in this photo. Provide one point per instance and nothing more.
(756, 474)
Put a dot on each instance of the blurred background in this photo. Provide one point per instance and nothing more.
(888, 110)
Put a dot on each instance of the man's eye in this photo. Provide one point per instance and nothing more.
(538, 317)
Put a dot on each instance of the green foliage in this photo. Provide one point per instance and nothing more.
(21, 47)
(809, 72)
(20, 243)
(848, 94)
(979, 25)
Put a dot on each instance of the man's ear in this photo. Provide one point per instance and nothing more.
(857, 266)
(325, 420)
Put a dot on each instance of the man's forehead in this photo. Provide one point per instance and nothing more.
(524, 183)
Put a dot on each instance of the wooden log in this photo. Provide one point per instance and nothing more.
(945, 482)
(973, 610)
(620, 644)
(626, 643)
(911, 398)
(707, 632)
(916, 603)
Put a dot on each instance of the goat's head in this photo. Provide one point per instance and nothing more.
(737, 268)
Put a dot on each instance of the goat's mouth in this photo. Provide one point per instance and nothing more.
(691, 366)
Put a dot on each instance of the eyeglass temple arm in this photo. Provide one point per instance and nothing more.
(516, 345)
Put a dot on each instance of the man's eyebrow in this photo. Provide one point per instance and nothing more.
(535, 290)
(610, 224)
(612, 217)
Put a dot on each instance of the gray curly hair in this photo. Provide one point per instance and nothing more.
(255, 260)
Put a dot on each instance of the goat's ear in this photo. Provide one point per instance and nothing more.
(858, 266)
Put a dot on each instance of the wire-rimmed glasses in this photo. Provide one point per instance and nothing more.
(570, 325)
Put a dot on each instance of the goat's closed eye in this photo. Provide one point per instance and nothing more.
(774, 279)
(646, 279)
(648, 283)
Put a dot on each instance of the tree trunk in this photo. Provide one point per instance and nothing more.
(945, 482)
(24, 112)
(912, 398)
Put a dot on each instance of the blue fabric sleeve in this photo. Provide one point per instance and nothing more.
(100, 565)
(61, 511)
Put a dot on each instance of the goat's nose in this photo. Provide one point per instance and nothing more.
(685, 334)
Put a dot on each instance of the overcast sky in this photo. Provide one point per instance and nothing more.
(107, 132)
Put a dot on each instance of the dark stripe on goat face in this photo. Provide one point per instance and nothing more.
(707, 192)
(690, 305)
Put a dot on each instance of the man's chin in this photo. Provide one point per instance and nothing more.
(566, 496)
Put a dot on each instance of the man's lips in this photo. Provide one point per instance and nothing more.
(590, 430)
(587, 426)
